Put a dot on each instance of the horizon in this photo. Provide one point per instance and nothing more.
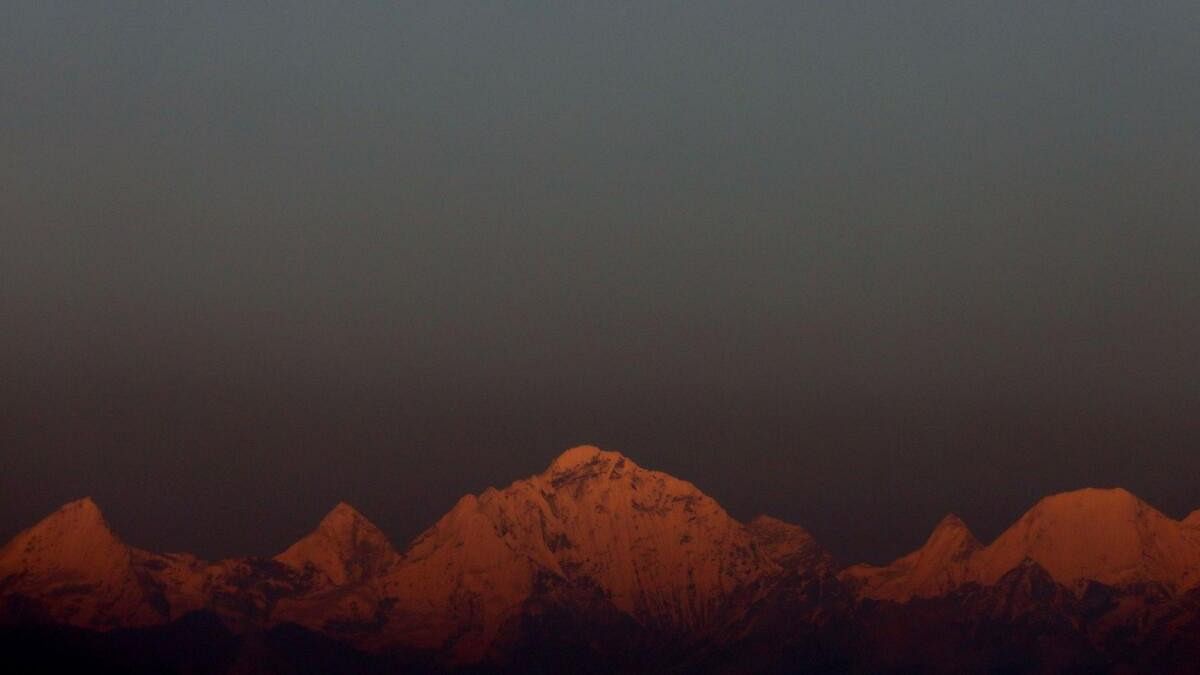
(852, 264)
(919, 282)
(401, 546)
(599, 565)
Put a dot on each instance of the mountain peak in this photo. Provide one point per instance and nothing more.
(80, 520)
(1105, 535)
(342, 516)
(950, 521)
(582, 455)
(83, 511)
(78, 571)
(658, 548)
(345, 547)
(1114, 496)
(73, 541)
(83, 503)
(1091, 507)
(944, 562)
(953, 536)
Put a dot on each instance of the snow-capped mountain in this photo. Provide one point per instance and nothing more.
(345, 548)
(1108, 536)
(599, 561)
(946, 561)
(1091, 535)
(653, 546)
(79, 573)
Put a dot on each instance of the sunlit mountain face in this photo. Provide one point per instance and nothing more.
(600, 565)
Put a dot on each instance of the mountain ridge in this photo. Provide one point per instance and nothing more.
(1109, 536)
(645, 556)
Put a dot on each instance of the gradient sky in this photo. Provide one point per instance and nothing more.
(855, 264)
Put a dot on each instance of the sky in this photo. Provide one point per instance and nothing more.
(853, 264)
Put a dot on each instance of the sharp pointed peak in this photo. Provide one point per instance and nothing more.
(75, 533)
(951, 530)
(951, 521)
(82, 505)
(951, 524)
(342, 517)
(342, 534)
(344, 510)
(83, 512)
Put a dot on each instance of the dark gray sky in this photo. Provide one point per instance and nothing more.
(855, 264)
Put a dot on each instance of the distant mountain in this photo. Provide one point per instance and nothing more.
(599, 565)
(334, 578)
(72, 569)
(345, 548)
(1089, 581)
(1109, 536)
(645, 545)
(945, 562)
(1091, 535)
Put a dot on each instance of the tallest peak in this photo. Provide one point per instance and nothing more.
(582, 455)
(1098, 500)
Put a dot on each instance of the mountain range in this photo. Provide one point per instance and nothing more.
(600, 565)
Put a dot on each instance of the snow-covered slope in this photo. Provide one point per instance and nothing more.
(78, 572)
(656, 547)
(944, 562)
(1109, 536)
(345, 548)
(597, 553)
(459, 583)
(338, 571)
(70, 568)
(1102, 535)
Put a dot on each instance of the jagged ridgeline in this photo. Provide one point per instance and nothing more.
(600, 565)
